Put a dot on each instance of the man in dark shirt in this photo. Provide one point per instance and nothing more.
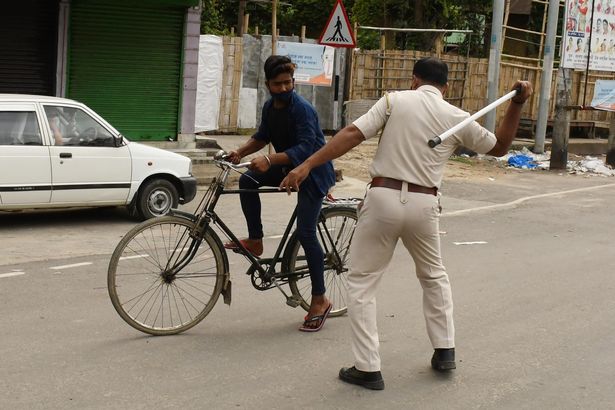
(291, 125)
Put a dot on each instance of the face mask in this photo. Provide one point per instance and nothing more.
(283, 97)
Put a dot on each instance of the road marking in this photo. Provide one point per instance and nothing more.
(470, 243)
(74, 265)
(133, 257)
(11, 274)
(516, 202)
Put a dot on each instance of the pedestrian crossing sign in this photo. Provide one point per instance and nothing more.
(337, 32)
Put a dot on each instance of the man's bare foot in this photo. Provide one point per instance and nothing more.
(318, 313)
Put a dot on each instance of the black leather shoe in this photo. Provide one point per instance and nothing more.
(443, 359)
(369, 380)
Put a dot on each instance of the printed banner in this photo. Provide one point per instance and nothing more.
(314, 62)
(580, 27)
(604, 95)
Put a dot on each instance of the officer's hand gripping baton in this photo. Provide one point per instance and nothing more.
(438, 140)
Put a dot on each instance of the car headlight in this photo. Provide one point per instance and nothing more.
(190, 168)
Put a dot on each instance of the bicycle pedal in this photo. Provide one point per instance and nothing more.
(292, 302)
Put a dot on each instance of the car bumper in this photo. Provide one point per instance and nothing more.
(188, 189)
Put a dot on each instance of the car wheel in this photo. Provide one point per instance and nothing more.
(156, 198)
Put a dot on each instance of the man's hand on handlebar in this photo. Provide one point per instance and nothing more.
(233, 157)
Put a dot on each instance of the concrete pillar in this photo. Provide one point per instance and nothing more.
(190, 70)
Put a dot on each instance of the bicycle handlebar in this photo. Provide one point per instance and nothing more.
(221, 158)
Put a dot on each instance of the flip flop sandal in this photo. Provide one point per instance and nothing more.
(318, 318)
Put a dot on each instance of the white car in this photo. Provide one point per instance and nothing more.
(57, 153)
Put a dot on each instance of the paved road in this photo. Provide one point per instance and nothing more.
(530, 259)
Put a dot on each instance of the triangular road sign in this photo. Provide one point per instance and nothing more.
(337, 32)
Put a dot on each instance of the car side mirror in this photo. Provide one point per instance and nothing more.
(119, 141)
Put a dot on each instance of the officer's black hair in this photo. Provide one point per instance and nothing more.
(431, 70)
(276, 65)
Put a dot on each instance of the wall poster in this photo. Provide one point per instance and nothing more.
(586, 36)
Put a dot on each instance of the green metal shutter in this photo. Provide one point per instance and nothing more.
(125, 61)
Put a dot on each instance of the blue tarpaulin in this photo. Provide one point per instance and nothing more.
(521, 161)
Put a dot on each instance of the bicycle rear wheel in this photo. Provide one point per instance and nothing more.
(147, 288)
(335, 236)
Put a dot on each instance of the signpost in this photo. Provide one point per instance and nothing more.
(337, 33)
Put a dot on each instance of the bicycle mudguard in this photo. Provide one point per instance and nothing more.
(182, 214)
(226, 291)
(226, 287)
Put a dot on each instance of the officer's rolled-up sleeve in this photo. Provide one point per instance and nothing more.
(477, 138)
(371, 122)
(305, 123)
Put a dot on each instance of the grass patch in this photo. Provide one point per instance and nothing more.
(463, 160)
(246, 131)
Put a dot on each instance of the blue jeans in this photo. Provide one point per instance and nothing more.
(308, 211)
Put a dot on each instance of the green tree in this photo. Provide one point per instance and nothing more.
(442, 14)
(220, 15)
(211, 18)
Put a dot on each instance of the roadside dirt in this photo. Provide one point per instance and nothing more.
(355, 164)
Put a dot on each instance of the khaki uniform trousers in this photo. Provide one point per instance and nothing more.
(386, 216)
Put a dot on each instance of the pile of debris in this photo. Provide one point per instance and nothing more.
(526, 159)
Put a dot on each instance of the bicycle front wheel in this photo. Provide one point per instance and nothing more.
(161, 280)
(334, 231)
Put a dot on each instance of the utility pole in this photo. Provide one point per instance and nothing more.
(240, 18)
(610, 154)
(493, 72)
(561, 123)
(546, 77)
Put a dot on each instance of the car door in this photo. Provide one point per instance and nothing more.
(87, 165)
(25, 167)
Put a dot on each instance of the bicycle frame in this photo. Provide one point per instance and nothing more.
(207, 215)
(255, 262)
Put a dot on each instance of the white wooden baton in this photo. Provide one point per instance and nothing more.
(438, 140)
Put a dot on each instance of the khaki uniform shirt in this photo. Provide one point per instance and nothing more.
(416, 117)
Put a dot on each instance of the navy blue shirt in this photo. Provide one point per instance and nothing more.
(295, 130)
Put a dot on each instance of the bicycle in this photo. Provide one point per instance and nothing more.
(167, 273)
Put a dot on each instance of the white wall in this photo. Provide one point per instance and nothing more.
(209, 83)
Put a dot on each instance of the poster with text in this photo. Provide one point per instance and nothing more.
(314, 62)
(586, 36)
(604, 95)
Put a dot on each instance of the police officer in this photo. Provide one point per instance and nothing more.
(402, 203)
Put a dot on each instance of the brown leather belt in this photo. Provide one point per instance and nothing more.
(397, 184)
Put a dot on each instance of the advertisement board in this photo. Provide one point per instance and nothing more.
(314, 62)
(589, 32)
(604, 95)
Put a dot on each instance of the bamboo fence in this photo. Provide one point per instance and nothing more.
(231, 83)
(372, 72)
(377, 71)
